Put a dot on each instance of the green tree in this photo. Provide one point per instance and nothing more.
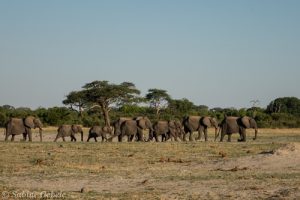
(289, 105)
(158, 99)
(58, 116)
(76, 99)
(180, 107)
(104, 95)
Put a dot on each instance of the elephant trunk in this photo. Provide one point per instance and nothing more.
(41, 134)
(255, 136)
(217, 132)
(81, 136)
(150, 135)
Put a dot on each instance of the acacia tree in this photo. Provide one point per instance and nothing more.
(158, 100)
(76, 99)
(106, 95)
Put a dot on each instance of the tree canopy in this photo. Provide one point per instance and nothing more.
(104, 95)
(158, 99)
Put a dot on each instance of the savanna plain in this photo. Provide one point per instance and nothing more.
(267, 168)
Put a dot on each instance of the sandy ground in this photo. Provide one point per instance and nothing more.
(245, 184)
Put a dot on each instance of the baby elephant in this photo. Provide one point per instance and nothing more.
(69, 130)
(97, 131)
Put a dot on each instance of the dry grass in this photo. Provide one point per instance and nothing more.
(183, 170)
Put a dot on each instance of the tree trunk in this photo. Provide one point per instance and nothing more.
(106, 117)
(105, 113)
(157, 113)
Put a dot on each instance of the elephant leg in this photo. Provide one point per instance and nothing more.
(120, 138)
(95, 138)
(229, 138)
(156, 138)
(73, 138)
(138, 137)
(88, 139)
(28, 131)
(104, 138)
(242, 135)
(205, 135)
(191, 136)
(24, 136)
(56, 138)
(6, 137)
(163, 137)
(184, 137)
(63, 137)
(222, 137)
(12, 137)
(199, 134)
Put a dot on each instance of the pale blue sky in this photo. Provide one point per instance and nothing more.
(216, 53)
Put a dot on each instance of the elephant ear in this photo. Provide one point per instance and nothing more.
(246, 122)
(206, 121)
(38, 123)
(148, 122)
(29, 122)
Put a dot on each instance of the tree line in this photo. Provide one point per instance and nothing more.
(101, 102)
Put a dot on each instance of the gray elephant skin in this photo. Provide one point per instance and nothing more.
(99, 131)
(17, 126)
(69, 131)
(167, 129)
(131, 127)
(200, 124)
(239, 125)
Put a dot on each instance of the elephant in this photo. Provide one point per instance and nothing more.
(200, 124)
(117, 125)
(17, 126)
(131, 129)
(69, 130)
(237, 125)
(177, 128)
(97, 131)
(143, 123)
(166, 129)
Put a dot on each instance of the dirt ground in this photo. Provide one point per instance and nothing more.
(268, 168)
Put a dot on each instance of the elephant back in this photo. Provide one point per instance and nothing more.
(194, 119)
(161, 126)
(76, 128)
(29, 122)
(194, 122)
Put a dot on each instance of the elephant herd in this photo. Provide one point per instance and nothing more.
(134, 129)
